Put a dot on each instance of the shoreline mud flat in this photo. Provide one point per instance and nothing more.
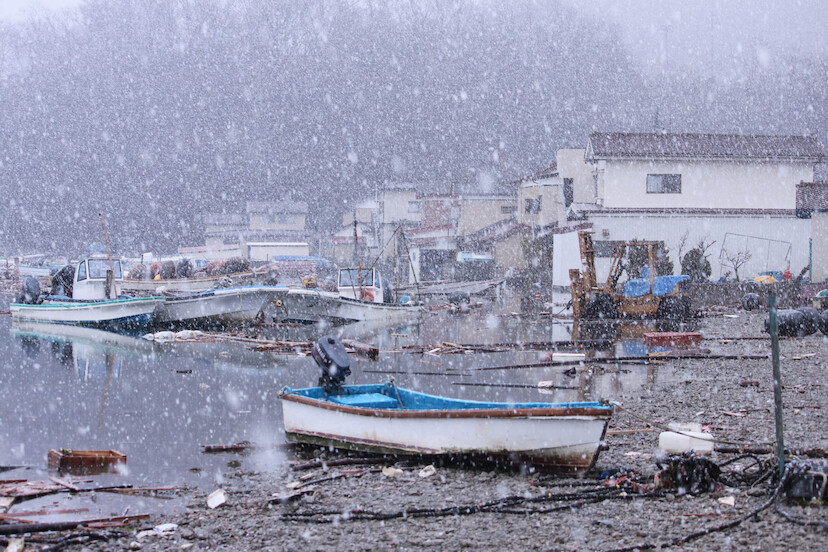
(412, 507)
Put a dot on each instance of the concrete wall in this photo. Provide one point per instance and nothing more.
(789, 294)
(395, 206)
(551, 193)
(819, 233)
(671, 228)
(571, 164)
(704, 184)
(277, 221)
(508, 253)
(477, 213)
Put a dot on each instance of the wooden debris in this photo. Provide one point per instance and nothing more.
(6, 503)
(286, 497)
(64, 483)
(671, 339)
(22, 528)
(360, 348)
(242, 446)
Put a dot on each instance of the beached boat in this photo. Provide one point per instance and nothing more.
(362, 295)
(86, 295)
(220, 306)
(386, 419)
(390, 420)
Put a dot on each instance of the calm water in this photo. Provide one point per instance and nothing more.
(68, 387)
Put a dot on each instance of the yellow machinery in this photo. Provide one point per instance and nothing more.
(591, 300)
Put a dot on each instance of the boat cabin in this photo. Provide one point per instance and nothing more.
(95, 279)
(365, 284)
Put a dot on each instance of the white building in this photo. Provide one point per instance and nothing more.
(736, 191)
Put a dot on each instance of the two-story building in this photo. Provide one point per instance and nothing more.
(737, 192)
(265, 229)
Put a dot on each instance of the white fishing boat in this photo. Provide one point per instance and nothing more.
(386, 419)
(219, 306)
(189, 285)
(88, 297)
(362, 295)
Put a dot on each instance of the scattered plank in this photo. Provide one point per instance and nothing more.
(64, 483)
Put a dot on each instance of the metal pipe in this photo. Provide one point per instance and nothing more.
(777, 382)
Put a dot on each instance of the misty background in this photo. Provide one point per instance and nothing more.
(153, 112)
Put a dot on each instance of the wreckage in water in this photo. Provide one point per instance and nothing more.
(386, 419)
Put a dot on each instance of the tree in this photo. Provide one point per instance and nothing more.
(737, 259)
(696, 265)
(638, 258)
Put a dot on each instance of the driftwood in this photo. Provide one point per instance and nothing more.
(242, 447)
(22, 528)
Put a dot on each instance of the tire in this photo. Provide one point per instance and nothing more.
(751, 301)
(601, 307)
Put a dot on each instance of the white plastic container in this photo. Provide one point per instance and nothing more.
(670, 441)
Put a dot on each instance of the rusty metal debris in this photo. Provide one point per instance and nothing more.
(86, 462)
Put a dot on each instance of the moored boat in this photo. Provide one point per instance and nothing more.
(219, 306)
(86, 294)
(190, 285)
(362, 295)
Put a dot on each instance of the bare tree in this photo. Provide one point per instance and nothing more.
(737, 259)
(703, 245)
(682, 243)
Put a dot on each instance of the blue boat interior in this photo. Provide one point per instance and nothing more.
(387, 396)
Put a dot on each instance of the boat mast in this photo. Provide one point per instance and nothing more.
(109, 256)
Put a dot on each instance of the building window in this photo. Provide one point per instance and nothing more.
(533, 205)
(413, 206)
(663, 183)
(508, 209)
(286, 219)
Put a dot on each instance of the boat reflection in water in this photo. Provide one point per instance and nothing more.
(94, 355)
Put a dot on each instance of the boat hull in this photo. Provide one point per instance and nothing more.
(185, 285)
(221, 306)
(120, 312)
(559, 437)
(305, 306)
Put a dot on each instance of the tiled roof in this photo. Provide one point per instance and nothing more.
(812, 196)
(683, 146)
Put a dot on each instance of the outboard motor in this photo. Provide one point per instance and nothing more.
(30, 292)
(331, 356)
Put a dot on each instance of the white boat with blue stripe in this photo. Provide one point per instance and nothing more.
(386, 419)
(383, 418)
(85, 294)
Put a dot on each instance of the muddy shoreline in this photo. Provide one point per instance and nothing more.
(452, 509)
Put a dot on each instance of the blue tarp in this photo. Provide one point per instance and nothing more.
(661, 286)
